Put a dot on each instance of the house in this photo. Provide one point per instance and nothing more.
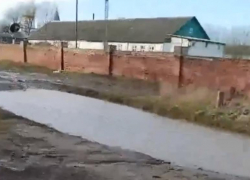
(145, 34)
(191, 46)
(12, 38)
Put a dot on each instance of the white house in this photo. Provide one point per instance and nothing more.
(193, 46)
(131, 35)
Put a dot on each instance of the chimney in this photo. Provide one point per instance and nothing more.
(93, 16)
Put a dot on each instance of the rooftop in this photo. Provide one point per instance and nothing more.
(142, 30)
(195, 39)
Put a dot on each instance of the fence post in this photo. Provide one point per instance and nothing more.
(25, 51)
(62, 56)
(180, 71)
(220, 99)
(110, 59)
(232, 93)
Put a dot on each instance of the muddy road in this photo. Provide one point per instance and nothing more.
(33, 151)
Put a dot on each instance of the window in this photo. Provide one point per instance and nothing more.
(206, 44)
(65, 44)
(142, 48)
(151, 48)
(193, 43)
(134, 48)
(191, 31)
(168, 40)
(119, 47)
(218, 46)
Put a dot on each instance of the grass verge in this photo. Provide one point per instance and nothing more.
(23, 68)
(197, 107)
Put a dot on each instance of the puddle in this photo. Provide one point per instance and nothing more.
(107, 123)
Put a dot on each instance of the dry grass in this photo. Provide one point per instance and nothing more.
(22, 68)
(197, 106)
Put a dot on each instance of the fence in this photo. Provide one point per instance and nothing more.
(175, 70)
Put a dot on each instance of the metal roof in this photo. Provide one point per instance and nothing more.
(20, 35)
(195, 39)
(152, 30)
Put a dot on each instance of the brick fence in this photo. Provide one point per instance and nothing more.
(215, 74)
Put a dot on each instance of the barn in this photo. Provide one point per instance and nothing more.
(142, 34)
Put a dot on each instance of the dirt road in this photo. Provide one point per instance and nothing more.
(33, 151)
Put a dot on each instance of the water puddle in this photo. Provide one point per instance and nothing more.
(107, 123)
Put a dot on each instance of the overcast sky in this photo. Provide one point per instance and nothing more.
(218, 12)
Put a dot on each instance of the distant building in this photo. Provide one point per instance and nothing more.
(128, 34)
(56, 15)
(190, 46)
(15, 38)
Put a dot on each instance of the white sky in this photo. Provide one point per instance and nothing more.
(7, 4)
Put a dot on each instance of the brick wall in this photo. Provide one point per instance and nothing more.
(217, 74)
(11, 52)
(49, 57)
(147, 67)
(86, 61)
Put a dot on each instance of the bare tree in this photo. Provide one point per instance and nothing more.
(27, 15)
(28, 19)
(22, 13)
(46, 12)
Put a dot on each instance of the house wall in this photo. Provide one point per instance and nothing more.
(156, 47)
(54, 43)
(169, 47)
(195, 48)
(204, 49)
(147, 47)
(199, 48)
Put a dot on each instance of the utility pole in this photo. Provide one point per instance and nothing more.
(76, 28)
(106, 24)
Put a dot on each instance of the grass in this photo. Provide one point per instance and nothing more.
(197, 107)
(23, 68)
(193, 105)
